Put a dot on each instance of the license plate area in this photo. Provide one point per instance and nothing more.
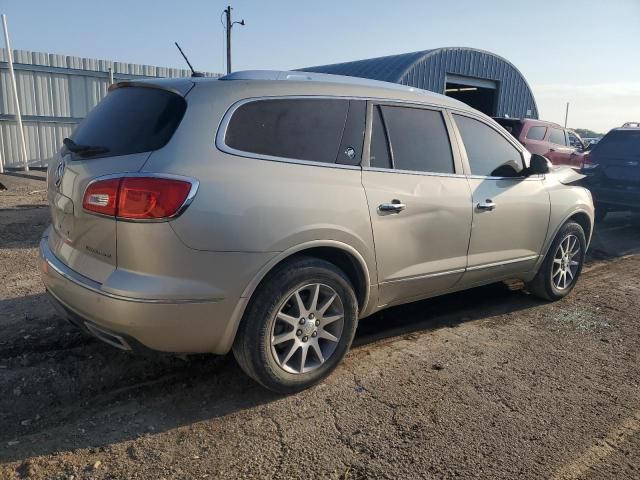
(63, 216)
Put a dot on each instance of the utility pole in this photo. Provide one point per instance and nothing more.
(230, 24)
(566, 115)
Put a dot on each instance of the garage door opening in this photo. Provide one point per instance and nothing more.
(477, 93)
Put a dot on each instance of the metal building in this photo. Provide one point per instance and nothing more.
(56, 92)
(481, 79)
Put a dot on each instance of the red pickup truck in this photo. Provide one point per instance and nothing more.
(560, 145)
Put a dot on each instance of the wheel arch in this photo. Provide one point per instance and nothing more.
(581, 217)
(343, 256)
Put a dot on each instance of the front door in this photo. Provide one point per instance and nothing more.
(419, 202)
(510, 211)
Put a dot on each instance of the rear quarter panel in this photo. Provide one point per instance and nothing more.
(249, 205)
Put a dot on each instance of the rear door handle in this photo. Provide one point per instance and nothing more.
(488, 205)
(395, 206)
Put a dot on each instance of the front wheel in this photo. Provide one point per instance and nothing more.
(298, 326)
(562, 265)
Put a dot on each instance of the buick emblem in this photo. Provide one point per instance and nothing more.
(59, 173)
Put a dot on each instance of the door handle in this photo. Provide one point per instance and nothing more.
(487, 205)
(395, 206)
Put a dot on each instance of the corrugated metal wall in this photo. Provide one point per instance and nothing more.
(428, 70)
(55, 93)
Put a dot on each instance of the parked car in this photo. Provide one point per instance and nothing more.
(269, 212)
(560, 145)
(589, 142)
(613, 170)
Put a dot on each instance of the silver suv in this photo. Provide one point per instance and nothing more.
(268, 212)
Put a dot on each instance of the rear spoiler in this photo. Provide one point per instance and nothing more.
(179, 86)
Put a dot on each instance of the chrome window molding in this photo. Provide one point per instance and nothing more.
(226, 119)
(195, 184)
(95, 287)
(413, 172)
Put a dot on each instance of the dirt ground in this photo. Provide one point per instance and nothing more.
(489, 383)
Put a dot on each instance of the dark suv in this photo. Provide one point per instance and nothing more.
(613, 170)
(560, 145)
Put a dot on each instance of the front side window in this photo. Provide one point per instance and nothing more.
(302, 129)
(574, 140)
(536, 133)
(488, 152)
(417, 137)
(556, 136)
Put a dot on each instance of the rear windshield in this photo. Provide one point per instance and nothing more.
(513, 126)
(131, 120)
(619, 143)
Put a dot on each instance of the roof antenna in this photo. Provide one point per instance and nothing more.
(193, 72)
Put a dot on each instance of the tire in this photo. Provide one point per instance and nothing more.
(274, 313)
(546, 284)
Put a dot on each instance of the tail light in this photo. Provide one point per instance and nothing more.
(138, 197)
(588, 163)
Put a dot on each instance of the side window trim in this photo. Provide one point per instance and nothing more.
(449, 127)
(463, 150)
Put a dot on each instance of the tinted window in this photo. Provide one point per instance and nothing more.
(418, 139)
(379, 156)
(488, 152)
(350, 151)
(536, 133)
(619, 143)
(304, 129)
(557, 136)
(131, 120)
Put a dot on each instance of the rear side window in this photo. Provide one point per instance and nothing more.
(557, 136)
(302, 129)
(131, 120)
(488, 152)
(418, 139)
(619, 143)
(536, 133)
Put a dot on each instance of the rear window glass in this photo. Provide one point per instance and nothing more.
(303, 129)
(536, 133)
(131, 120)
(619, 144)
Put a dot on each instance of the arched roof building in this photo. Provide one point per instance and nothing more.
(481, 79)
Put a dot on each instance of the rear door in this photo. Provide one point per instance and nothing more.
(559, 150)
(419, 202)
(117, 136)
(510, 211)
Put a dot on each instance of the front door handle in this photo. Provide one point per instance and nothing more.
(395, 206)
(488, 205)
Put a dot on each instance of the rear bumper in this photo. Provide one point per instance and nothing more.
(170, 326)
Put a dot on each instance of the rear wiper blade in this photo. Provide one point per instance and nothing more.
(83, 150)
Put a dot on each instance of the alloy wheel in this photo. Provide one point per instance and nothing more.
(307, 328)
(566, 262)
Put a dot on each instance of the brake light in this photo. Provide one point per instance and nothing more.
(588, 163)
(101, 197)
(137, 198)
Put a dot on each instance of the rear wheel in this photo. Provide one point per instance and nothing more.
(562, 265)
(298, 327)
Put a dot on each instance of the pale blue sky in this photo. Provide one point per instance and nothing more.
(582, 51)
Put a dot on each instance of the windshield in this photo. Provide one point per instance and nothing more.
(128, 120)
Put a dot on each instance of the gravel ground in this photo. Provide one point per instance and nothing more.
(489, 383)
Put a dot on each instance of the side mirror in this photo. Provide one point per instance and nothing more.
(538, 165)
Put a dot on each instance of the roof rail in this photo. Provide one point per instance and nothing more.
(631, 125)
